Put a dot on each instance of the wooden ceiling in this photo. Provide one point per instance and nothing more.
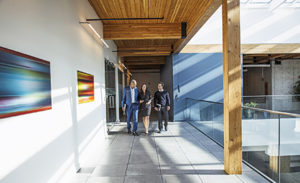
(157, 37)
(267, 58)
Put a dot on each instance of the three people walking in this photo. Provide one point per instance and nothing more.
(131, 100)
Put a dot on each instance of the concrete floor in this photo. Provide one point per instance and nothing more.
(182, 154)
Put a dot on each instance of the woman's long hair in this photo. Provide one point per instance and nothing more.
(147, 89)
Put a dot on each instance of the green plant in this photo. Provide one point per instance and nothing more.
(251, 104)
(249, 113)
(297, 90)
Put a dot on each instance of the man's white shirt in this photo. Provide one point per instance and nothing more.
(132, 95)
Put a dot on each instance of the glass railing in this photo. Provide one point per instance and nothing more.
(270, 139)
(283, 103)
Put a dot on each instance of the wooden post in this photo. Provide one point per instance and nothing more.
(284, 164)
(232, 87)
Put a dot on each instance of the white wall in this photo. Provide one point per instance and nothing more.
(38, 147)
(284, 77)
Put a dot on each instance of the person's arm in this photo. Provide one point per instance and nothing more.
(150, 98)
(123, 98)
(155, 101)
(140, 98)
(168, 101)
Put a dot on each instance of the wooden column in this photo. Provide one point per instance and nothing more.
(284, 164)
(232, 87)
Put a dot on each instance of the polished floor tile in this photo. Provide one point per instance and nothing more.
(180, 155)
(143, 179)
(181, 179)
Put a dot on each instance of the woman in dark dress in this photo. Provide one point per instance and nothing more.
(145, 108)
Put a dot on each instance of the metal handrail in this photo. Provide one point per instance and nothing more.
(250, 96)
(273, 112)
(205, 101)
(252, 108)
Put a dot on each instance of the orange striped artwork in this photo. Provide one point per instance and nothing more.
(85, 87)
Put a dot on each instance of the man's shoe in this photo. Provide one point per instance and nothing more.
(159, 131)
(135, 134)
(129, 131)
(166, 128)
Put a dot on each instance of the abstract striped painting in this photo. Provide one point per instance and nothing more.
(25, 84)
(85, 87)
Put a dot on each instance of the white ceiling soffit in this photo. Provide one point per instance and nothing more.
(264, 25)
(270, 4)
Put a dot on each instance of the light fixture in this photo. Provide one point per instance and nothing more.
(107, 19)
(96, 33)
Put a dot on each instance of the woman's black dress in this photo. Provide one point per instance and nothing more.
(145, 108)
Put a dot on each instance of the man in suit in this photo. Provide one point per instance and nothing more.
(130, 103)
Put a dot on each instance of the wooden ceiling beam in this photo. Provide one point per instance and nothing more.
(290, 56)
(146, 48)
(146, 71)
(144, 63)
(143, 53)
(141, 31)
(132, 67)
(134, 59)
(247, 49)
(263, 58)
(248, 61)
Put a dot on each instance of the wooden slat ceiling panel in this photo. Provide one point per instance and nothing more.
(145, 43)
(173, 11)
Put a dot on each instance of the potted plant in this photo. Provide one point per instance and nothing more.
(297, 90)
(248, 113)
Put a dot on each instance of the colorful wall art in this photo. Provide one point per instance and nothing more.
(85, 87)
(25, 84)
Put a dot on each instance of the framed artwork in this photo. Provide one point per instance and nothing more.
(85, 87)
(25, 84)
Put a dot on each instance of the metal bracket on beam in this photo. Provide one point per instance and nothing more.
(183, 30)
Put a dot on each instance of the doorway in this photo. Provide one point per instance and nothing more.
(110, 93)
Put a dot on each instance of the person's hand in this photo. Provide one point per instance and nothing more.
(168, 108)
(123, 108)
(156, 108)
(141, 101)
(149, 102)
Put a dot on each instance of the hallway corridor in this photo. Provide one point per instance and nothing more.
(182, 154)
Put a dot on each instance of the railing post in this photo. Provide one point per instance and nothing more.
(279, 148)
